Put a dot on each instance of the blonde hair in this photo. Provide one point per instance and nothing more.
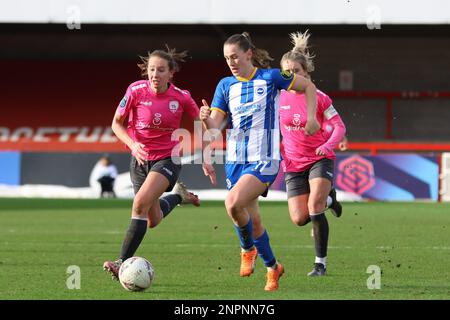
(261, 58)
(300, 52)
(172, 57)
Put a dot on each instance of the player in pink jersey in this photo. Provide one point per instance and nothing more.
(308, 160)
(154, 109)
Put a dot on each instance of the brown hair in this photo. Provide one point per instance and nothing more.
(300, 52)
(171, 55)
(261, 57)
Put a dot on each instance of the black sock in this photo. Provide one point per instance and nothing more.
(320, 229)
(133, 238)
(308, 220)
(169, 202)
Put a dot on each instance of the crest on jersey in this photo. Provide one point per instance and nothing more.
(286, 74)
(173, 106)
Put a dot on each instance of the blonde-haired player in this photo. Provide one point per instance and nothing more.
(308, 160)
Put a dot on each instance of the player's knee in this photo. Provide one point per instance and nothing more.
(140, 209)
(300, 219)
(316, 205)
(232, 204)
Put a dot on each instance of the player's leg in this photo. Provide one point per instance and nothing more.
(146, 202)
(297, 187)
(298, 210)
(262, 243)
(320, 186)
(334, 205)
(153, 187)
(245, 191)
(148, 187)
(138, 175)
(162, 207)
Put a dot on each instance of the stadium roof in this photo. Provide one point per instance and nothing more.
(370, 12)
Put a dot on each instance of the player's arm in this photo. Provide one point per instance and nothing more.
(212, 123)
(212, 117)
(302, 84)
(118, 127)
(336, 136)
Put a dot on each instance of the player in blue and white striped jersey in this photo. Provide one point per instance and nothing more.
(249, 101)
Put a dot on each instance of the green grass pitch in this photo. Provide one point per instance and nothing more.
(195, 252)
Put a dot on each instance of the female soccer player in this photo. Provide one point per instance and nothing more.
(308, 160)
(154, 108)
(249, 99)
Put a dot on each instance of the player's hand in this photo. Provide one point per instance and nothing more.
(343, 145)
(312, 126)
(137, 150)
(322, 151)
(210, 172)
(205, 111)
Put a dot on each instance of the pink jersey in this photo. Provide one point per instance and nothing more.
(153, 117)
(298, 149)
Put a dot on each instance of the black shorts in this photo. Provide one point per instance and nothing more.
(165, 167)
(297, 183)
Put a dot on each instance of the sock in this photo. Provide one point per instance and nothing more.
(322, 261)
(169, 202)
(245, 235)
(320, 229)
(133, 238)
(329, 201)
(262, 244)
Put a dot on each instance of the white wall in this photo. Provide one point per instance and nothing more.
(370, 12)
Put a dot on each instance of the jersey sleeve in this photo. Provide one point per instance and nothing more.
(219, 102)
(125, 104)
(283, 79)
(190, 107)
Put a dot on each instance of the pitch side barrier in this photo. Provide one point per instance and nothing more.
(368, 171)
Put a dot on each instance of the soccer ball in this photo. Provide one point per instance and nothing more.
(136, 274)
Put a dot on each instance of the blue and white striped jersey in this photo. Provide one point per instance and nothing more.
(253, 114)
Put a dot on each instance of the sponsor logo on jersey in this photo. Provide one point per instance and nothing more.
(293, 128)
(286, 74)
(139, 86)
(146, 103)
(157, 119)
(123, 102)
(248, 108)
(173, 106)
(296, 119)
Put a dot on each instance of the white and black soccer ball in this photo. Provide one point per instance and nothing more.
(136, 274)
